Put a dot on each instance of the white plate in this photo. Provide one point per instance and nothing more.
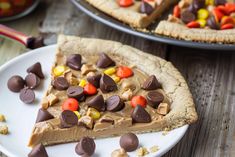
(21, 117)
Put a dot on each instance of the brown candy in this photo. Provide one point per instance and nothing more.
(151, 83)
(154, 98)
(220, 2)
(97, 102)
(68, 119)
(94, 80)
(114, 103)
(74, 61)
(36, 69)
(129, 142)
(187, 16)
(211, 22)
(140, 115)
(38, 151)
(146, 8)
(104, 61)
(32, 80)
(107, 84)
(85, 147)
(27, 95)
(15, 83)
(43, 115)
(76, 92)
(60, 83)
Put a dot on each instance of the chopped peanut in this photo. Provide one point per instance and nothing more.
(86, 68)
(127, 95)
(163, 108)
(142, 152)
(2, 118)
(52, 99)
(154, 149)
(88, 121)
(4, 130)
(119, 153)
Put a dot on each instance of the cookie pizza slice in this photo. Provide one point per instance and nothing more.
(136, 13)
(102, 88)
(210, 21)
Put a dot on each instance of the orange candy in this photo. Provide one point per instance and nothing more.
(226, 20)
(124, 72)
(223, 9)
(70, 104)
(218, 14)
(227, 26)
(89, 89)
(125, 3)
(176, 11)
(193, 24)
(138, 100)
(230, 7)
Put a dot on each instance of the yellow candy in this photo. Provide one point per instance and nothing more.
(210, 2)
(82, 83)
(115, 78)
(5, 5)
(93, 113)
(77, 114)
(202, 14)
(59, 70)
(202, 22)
(110, 71)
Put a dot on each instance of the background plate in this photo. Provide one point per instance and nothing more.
(108, 20)
(21, 117)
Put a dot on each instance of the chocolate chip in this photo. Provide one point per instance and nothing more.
(146, 8)
(187, 16)
(94, 80)
(151, 83)
(32, 81)
(60, 83)
(107, 84)
(36, 69)
(140, 115)
(104, 61)
(97, 102)
(129, 142)
(114, 103)
(27, 95)
(74, 61)
(68, 119)
(220, 2)
(211, 22)
(86, 146)
(76, 92)
(154, 98)
(43, 115)
(15, 83)
(38, 151)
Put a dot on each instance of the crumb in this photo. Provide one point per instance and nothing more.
(2, 118)
(142, 152)
(164, 133)
(119, 153)
(4, 130)
(154, 149)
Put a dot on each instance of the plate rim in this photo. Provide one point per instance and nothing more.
(157, 38)
(42, 49)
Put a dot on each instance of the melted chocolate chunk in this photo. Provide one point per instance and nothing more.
(27, 95)
(38, 151)
(107, 84)
(129, 142)
(76, 92)
(187, 16)
(151, 83)
(15, 83)
(60, 83)
(94, 80)
(86, 146)
(146, 8)
(104, 61)
(68, 119)
(154, 98)
(36, 69)
(114, 103)
(97, 102)
(74, 61)
(140, 115)
(43, 115)
(32, 80)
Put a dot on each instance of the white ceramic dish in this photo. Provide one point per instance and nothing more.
(21, 117)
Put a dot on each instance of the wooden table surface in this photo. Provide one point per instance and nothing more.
(210, 74)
